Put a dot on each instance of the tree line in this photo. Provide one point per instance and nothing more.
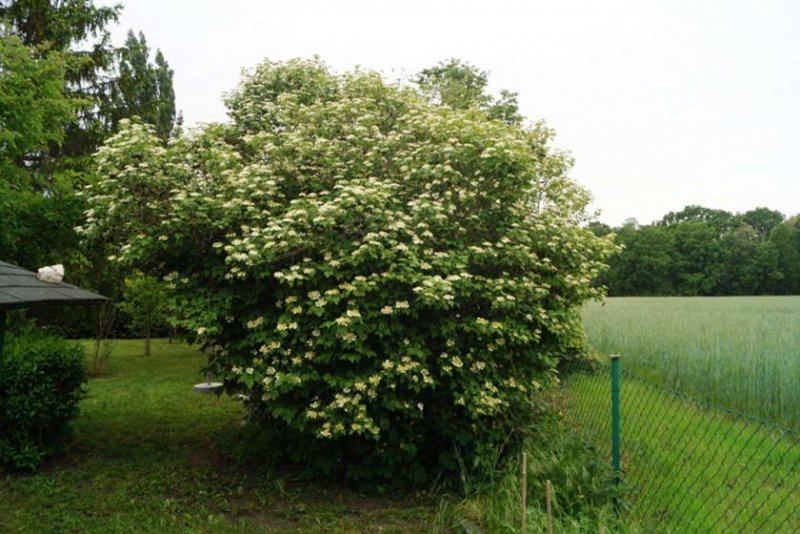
(699, 251)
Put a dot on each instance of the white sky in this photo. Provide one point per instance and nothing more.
(662, 103)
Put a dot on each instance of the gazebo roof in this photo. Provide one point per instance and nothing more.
(20, 288)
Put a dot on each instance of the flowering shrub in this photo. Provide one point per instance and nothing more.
(388, 281)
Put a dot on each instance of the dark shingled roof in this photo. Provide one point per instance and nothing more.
(20, 288)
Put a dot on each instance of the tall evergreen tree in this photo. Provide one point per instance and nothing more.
(109, 84)
(168, 120)
(142, 88)
(78, 29)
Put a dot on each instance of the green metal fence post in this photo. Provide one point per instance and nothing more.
(2, 331)
(615, 382)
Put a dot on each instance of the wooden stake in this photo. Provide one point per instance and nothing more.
(549, 497)
(524, 490)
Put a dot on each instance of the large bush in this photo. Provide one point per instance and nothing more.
(41, 383)
(389, 282)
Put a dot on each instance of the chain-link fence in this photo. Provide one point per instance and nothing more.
(687, 465)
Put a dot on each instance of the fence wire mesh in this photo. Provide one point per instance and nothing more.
(688, 465)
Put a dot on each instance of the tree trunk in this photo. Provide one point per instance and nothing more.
(147, 343)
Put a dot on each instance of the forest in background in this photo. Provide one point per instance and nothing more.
(699, 251)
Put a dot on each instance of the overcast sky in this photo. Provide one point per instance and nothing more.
(662, 103)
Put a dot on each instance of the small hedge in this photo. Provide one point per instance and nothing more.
(41, 383)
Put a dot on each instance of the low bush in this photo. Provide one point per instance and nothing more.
(41, 383)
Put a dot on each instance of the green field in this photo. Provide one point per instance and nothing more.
(741, 352)
(147, 457)
(689, 464)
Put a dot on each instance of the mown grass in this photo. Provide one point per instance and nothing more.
(147, 457)
(687, 466)
(740, 352)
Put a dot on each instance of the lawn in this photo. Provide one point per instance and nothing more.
(147, 457)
